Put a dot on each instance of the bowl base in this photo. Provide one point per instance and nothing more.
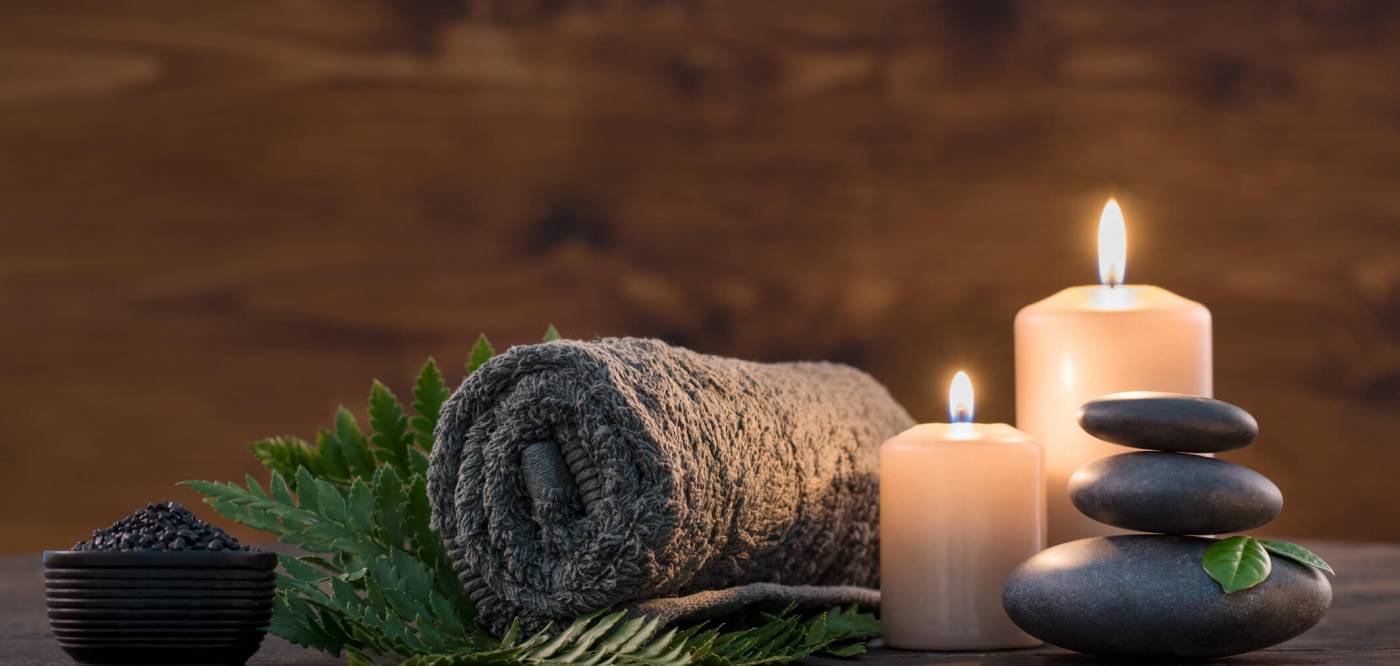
(162, 654)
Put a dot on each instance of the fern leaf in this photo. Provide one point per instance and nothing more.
(786, 638)
(334, 463)
(360, 507)
(389, 501)
(429, 392)
(426, 543)
(391, 436)
(354, 444)
(285, 454)
(482, 352)
(418, 462)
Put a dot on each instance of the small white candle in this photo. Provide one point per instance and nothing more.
(1086, 341)
(961, 505)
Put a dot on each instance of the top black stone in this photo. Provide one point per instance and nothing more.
(160, 526)
(1168, 422)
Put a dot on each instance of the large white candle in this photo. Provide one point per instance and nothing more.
(1087, 341)
(961, 505)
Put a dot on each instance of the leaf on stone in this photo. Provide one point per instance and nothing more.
(1296, 553)
(429, 392)
(551, 334)
(482, 352)
(1237, 563)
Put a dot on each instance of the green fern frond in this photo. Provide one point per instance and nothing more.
(482, 352)
(286, 454)
(414, 601)
(391, 437)
(591, 640)
(429, 392)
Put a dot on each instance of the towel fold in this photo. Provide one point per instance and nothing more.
(572, 476)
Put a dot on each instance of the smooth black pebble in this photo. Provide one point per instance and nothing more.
(1168, 422)
(1146, 597)
(1174, 493)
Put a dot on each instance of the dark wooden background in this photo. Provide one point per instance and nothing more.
(220, 220)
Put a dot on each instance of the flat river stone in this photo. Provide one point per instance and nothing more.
(1146, 596)
(1174, 493)
(1168, 422)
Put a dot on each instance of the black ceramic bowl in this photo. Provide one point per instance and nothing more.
(159, 607)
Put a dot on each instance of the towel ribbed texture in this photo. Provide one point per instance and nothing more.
(571, 476)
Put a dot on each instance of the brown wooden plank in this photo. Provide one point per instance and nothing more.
(219, 221)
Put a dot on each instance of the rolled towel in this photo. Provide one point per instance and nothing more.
(573, 476)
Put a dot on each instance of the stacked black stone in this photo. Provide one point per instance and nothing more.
(1148, 595)
(160, 526)
(1165, 490)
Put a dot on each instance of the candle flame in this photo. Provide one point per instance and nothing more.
(1113, 245)
(960, 398)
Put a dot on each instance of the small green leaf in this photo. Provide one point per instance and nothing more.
(334, 463)
(280, 489)
(389, 505)
(353, 444)
(847, 650)
(1237, 563)
(391, 434)
(482, 352)
(418, 514)
(306, 491)
(551, 334)
(285, 454)
(418, 463)
(361, 507)
(849, 622)
(332, 503)
(1296, 553)
(429, 392)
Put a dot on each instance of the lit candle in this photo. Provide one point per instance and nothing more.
(961, 505)
(1087, 341)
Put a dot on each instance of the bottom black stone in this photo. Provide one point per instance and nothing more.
(1146, 596)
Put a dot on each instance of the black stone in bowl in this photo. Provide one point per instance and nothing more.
(159, 607)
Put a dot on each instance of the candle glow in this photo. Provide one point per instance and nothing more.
(1113, 245)
(960, 405)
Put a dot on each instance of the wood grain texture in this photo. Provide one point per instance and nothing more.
(218, 221)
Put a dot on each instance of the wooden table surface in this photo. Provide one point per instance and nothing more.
(1363, 626)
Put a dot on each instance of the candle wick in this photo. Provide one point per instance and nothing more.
(961, 414)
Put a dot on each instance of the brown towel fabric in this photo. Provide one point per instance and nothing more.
(572, 476)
